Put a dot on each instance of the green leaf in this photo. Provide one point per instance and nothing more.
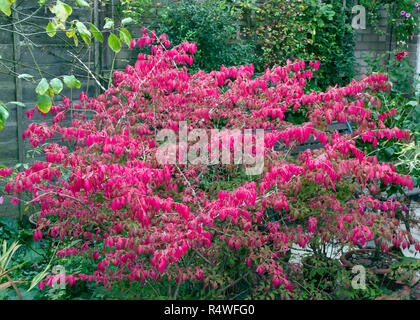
(81, 3)
(42, 87)
(50, 92)
(4, 115)
(390, 151)
(125, 36)
(50, 29)
(61, 10)
(114, 43)
(5, 6)
(126, 21)
(44, 103)
(86, 39)
(96, 33)
(38, 278)
(412, 103)
(34, 252)
(415, 181)
(58, 24)
(70, 33)
(56, 85)
(84, 32)
(72, 82)
(9, 223)
(109, 23)
(76, 40)
(82, 28)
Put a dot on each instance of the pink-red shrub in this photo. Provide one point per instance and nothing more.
(137, 219)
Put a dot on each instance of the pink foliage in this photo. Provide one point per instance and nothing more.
(137, 219)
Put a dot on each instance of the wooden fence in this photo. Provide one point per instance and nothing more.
(25, 48)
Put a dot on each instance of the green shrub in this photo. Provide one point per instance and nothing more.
(212, 24)
(304, 29)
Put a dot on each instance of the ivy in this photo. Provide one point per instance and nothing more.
(4, 115)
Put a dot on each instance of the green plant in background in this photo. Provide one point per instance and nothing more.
(136, 9)
(409, 160)
(323, 278)
(235, 32)
(59, 23)
(18, 259)
(5, 259)
(407, 281)
(4, 115)
(401, 71)
(307, 29)
(405, 99)
(328, 279)
(213, 25)
(27, 262)
(402, 17)
(333, 42)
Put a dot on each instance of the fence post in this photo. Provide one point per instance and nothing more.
(18, 97)
(97, 57)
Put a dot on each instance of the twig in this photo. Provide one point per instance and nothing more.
(14, 287)
(202, 257)
(177, 289)
(87, 69)
(236, 281)
(60, 195)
